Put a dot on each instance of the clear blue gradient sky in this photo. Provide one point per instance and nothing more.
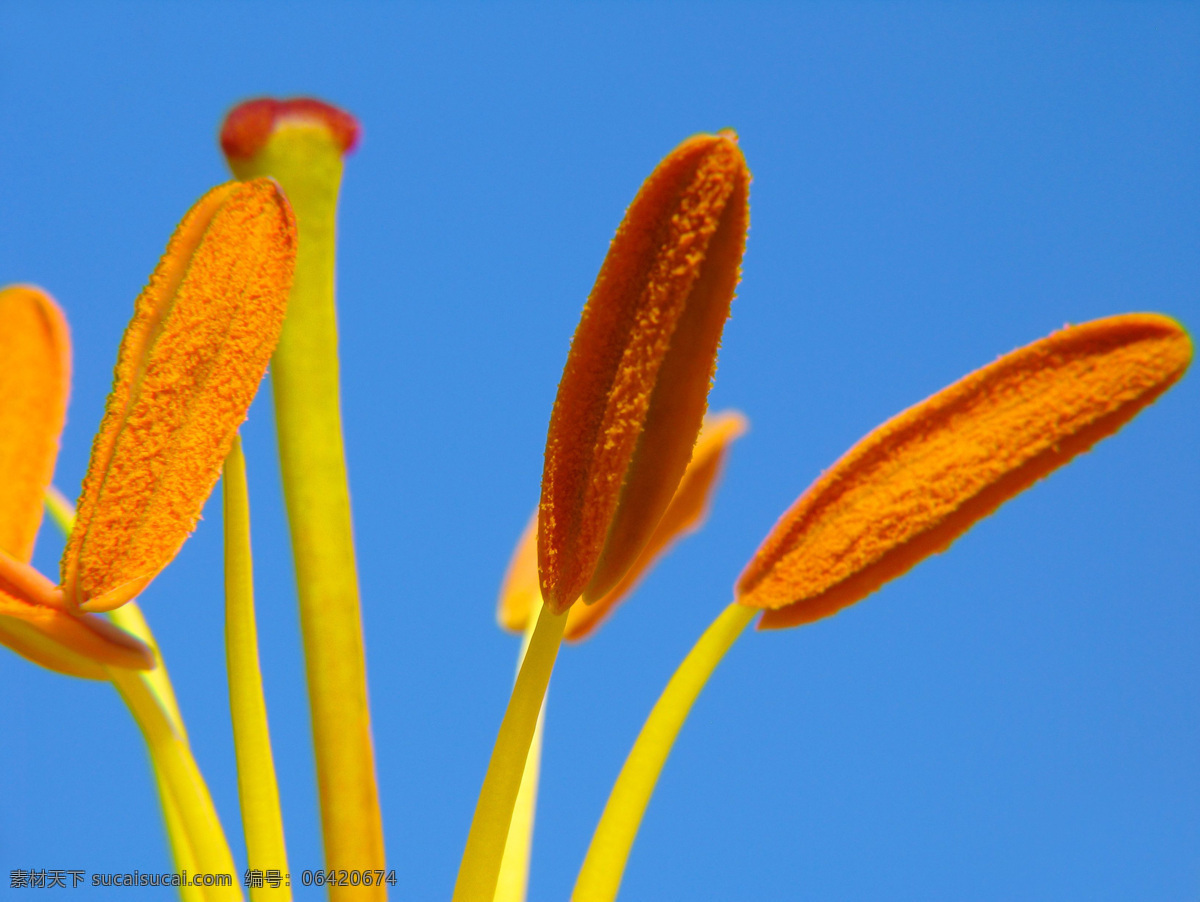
(934, 185)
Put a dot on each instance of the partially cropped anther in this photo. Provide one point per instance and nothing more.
(189, 366)
(635, 386)
(520, 594)
(34, 383)
(918, 482)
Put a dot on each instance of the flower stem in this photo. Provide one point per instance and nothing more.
(257, 785)
(480, 868)
(604, 866)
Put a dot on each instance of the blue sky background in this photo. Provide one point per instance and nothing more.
(934, 185)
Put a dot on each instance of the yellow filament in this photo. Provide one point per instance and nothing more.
(183, 782)
(480, 868)
(600, 877)
(257, 786)
(514, 868)
(181, 846)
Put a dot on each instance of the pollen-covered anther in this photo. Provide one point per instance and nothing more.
(520, 593)
(635, 385)
(189, 365)
(918, 482)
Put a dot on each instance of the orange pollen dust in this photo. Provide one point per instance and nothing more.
(189, 365)
(250, 125)
(918, 482)
(635, 385)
